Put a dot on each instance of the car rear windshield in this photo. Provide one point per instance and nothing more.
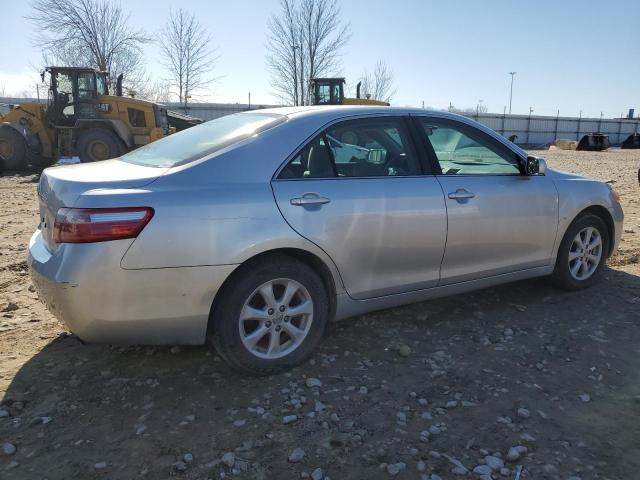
(202, 140)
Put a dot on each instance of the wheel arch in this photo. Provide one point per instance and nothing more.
(602, 213)
(304, 256)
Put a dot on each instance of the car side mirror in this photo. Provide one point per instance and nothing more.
(535, 166)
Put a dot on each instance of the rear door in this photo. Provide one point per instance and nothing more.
(499, 220)
(358, 191)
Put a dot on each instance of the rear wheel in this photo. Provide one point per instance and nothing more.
(14, 152)
(99, 144)
(271, 316)
(582, 253)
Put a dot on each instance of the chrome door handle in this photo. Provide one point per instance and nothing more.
(461, 194)
(309, 199)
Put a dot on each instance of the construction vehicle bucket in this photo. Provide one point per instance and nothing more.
(594, 142)
(632, 141)
(182, 121)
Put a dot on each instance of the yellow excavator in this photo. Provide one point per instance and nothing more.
(330, 91)
(80, 119)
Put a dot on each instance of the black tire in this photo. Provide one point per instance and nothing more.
(225, 315)
(15, 153)
(562, 276)
(99, 144)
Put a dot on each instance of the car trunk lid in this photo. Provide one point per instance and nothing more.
(62, 186)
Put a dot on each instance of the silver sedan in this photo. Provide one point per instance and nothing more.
(256, 229)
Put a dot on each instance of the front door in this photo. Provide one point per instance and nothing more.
(499, 220)
(358, 191)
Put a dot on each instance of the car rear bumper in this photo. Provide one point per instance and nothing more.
(85, 287)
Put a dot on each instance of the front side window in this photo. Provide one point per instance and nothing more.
(461, 152)
(324, 94)
(202, 140)
(86, 85)
(356, 148)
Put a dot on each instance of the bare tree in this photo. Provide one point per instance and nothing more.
(304, 42)
(380, 84)
(479, 108)
(92, 33)
(158, 91)
(186, 47)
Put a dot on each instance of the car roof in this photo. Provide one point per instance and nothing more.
(335, 112)
(338, 111)
(328, 113)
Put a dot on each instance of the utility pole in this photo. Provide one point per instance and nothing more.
(511, 91)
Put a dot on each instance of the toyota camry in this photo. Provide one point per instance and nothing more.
(256, 229)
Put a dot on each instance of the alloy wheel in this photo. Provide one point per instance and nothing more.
(276, 318)
(585, 253)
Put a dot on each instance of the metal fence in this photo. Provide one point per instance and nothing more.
(536, 130)
(210, 111)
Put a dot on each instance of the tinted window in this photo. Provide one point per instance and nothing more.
(201, 140)
(324, 94)
(372, 148)
(136, 117)
(313, 161)
(460, 152)
(356, 148)
(86, 85)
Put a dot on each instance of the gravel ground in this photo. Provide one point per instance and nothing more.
(520, 381)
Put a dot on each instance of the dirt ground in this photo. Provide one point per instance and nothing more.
(523, 380)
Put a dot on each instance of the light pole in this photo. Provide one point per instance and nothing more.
(511, 91)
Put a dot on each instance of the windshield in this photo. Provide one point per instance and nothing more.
(205, 139)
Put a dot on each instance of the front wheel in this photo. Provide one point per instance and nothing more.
(270, 316)
(99, 144)
(582, 253)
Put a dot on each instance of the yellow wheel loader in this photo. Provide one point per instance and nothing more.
(80, 119)
(330, 91)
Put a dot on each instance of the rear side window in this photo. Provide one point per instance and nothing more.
(202, 140)
(377, 147)
(313, 161)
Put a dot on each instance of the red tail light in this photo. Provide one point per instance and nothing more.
(85, 225)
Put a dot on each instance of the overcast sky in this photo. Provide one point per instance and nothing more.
(568, 55)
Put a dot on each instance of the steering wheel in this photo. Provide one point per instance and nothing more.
(397, 164)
